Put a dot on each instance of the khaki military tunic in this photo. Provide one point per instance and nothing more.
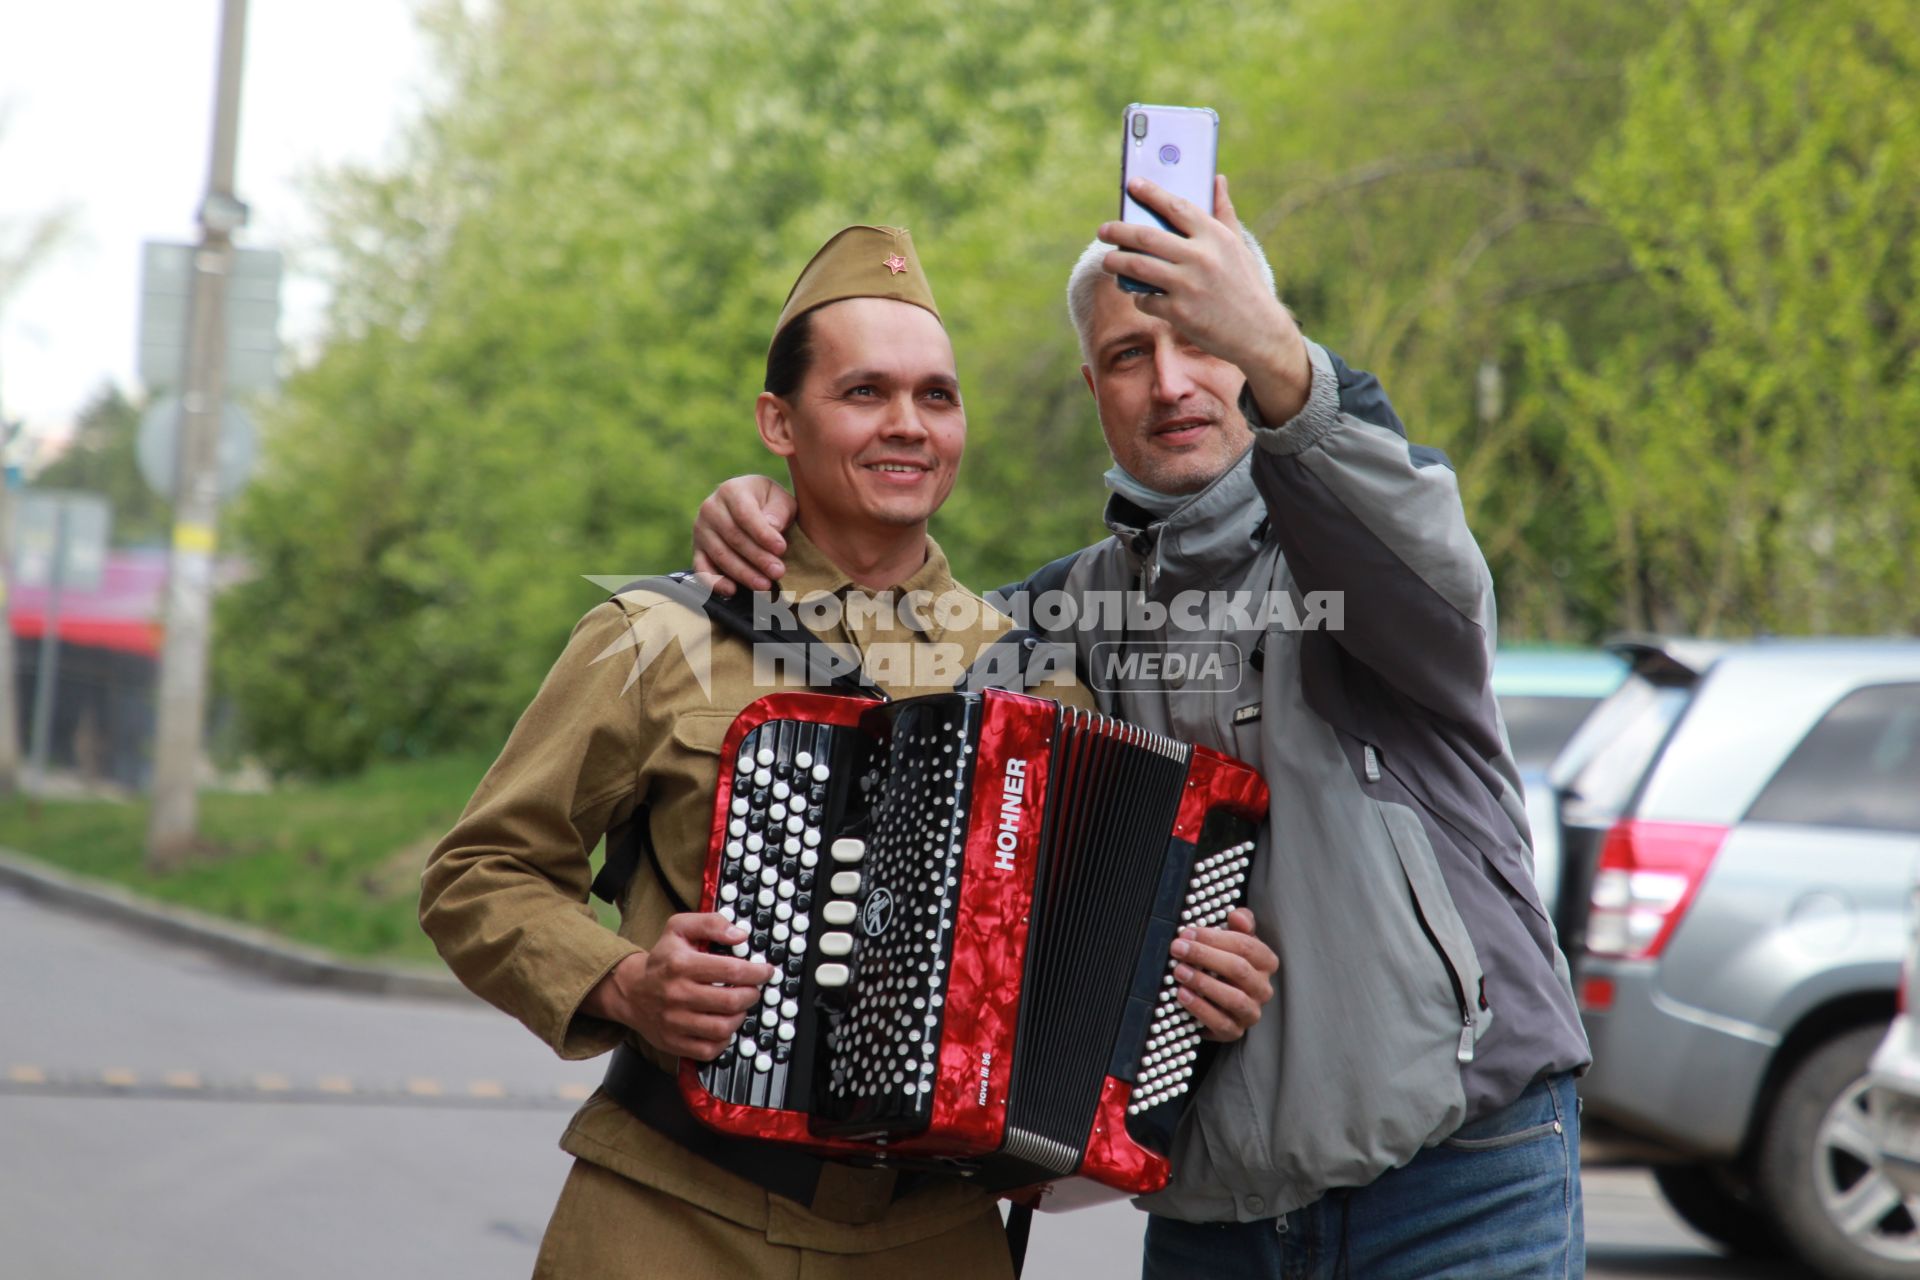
(624, 723)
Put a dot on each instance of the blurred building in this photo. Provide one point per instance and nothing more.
(109, 667)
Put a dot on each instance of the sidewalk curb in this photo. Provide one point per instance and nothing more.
(255, 950)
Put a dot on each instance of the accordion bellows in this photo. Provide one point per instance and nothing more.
(968, 900)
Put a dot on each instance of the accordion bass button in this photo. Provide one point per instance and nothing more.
(831, 975)
(845, 882)
(848, 849)
(836, 944)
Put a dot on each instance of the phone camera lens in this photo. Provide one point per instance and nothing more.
(1169, 154)
(1140, 124)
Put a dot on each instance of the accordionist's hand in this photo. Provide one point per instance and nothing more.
(1225, 975)
(737, 534)
(683, 998)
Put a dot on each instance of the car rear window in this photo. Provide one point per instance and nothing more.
(1599, 769)
(1538, 726)
(1859, 767)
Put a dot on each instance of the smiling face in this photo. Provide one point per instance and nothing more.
(874, 432)
(1169, 410)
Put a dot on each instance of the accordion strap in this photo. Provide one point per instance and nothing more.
(650, 1094)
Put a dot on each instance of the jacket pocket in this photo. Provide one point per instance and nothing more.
(703, 731)
(1440, 920)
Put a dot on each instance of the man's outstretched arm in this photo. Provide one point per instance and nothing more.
(1355, 509)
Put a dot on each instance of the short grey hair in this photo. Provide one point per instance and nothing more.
(1087, 275)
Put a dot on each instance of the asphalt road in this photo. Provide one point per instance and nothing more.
(167, 1117)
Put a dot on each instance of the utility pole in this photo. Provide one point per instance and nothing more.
(174, 822)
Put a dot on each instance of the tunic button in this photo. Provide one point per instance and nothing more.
(1255, 1204)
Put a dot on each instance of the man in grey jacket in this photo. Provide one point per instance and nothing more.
(1406, 1108)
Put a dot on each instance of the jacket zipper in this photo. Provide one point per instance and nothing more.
(1465, 1053)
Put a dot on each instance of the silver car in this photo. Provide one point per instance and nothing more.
(1740, 827)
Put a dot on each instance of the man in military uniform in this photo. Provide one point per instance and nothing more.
(863, 402)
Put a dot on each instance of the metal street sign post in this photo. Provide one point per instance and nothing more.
(60, 543)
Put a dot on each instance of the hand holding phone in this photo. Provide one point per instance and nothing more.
(1176, 147)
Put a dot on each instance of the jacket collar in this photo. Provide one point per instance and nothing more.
(811, 573)
(1217, 530)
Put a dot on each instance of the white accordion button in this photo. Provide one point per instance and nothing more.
(845, 882)
(764, 757)
(847, 849)
(761, 777)
(786, 1030)
(839, 913)
(729, 892)
(812, 837)
(831, 975)
(820, 773)
(781, 790)
(738, 827)
(739, 806)
(809, 858)
(803, 760)
(836, 944)
(741, 949)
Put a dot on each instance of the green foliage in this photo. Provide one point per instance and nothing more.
(551, 317)
(1748, 446)
(101, 460)
(337, 865)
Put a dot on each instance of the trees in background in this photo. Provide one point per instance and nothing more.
(552, 315)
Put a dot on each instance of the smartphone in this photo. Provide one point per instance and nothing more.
(1175, 147)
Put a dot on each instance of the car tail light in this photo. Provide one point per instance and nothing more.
(1648, 874)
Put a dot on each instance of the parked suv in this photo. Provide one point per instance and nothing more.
(1740, 827)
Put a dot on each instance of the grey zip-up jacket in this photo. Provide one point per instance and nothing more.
(1420, 983)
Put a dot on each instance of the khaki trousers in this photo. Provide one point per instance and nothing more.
(607, 1227)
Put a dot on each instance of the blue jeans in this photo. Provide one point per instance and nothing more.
(1499, 1199)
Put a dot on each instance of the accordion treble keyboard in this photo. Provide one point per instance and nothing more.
(968, 901)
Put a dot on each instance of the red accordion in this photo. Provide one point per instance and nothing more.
(968, 900)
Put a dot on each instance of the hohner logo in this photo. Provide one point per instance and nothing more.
(1007, 839)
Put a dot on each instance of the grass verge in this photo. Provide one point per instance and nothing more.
(335, 864)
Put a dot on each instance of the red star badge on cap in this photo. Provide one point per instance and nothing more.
(895, 264)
